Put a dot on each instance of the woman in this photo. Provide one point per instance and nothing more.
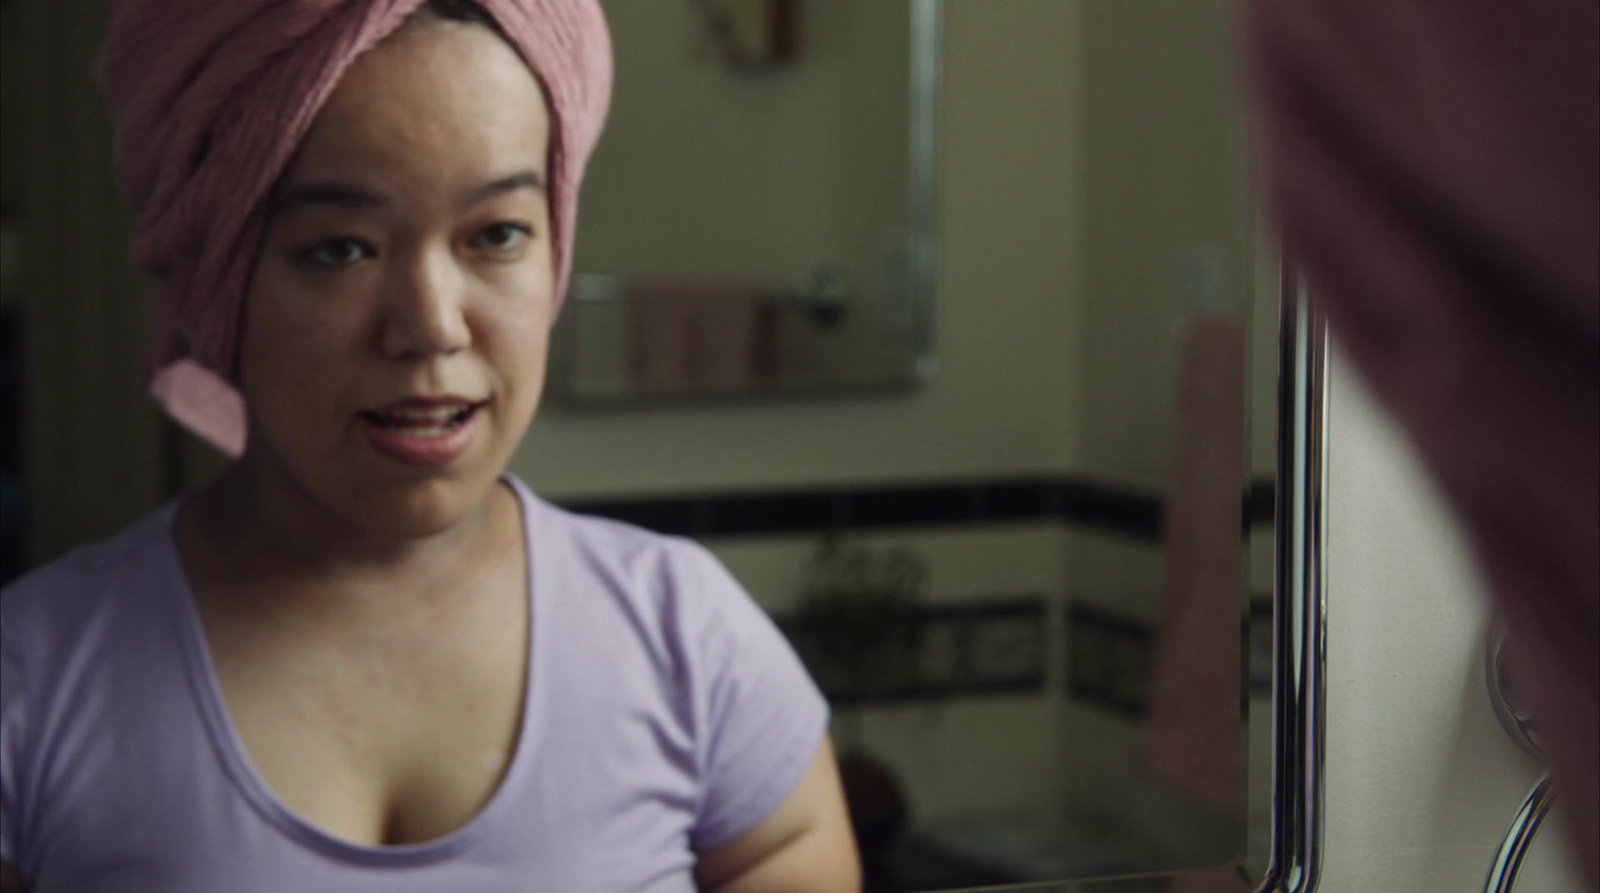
(365, 658)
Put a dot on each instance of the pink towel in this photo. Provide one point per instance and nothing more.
(1193, 737)
(699, 334)
(209, 102)
(659, 316)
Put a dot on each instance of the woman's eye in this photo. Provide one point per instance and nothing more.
(335, 253)
(502, 238)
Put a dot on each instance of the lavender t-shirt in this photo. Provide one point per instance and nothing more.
(664, 713)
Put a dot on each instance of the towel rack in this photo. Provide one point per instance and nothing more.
(1518, 724)
(824, 298)
(1508, 861)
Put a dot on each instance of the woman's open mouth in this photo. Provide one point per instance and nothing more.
(423, 432)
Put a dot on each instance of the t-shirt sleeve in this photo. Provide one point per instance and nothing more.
(761, 718)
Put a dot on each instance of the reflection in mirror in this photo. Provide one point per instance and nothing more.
(1036, 589)
(758, 220)
(1024, 588)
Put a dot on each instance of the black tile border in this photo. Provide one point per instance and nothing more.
(1103, 647)
(1099, 678)
(1115, 509)
(1109, 655)
(1260, 503)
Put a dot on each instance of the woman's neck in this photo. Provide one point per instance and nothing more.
(261, 544)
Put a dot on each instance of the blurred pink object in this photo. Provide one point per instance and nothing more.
(659, 315)
(699, 334)
(1194, 734)
(210, 101)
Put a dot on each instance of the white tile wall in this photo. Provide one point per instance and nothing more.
(996, 757)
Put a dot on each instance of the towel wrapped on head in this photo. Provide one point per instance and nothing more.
(211, 99)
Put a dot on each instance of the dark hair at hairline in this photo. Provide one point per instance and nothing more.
(464, 11)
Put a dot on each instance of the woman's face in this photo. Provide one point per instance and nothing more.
(398, 317)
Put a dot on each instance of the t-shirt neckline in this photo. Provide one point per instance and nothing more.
(249, 782)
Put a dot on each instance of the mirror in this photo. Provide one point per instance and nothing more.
(759, 220)
(1063, 595)
(1040, 590)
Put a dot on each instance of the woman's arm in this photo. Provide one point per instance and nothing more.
(803, 846)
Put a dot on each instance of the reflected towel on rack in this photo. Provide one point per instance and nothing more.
(699, 334)
(1193, 736)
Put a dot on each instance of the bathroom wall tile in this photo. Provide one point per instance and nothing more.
(1015, 500)
(675, 517)
(1128, 512)
(758, 514)
(912, 507)
(993, 560)
(1112, 571)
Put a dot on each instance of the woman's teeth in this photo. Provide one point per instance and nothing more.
(419, 422)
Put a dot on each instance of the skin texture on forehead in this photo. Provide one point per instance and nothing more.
(419, 92)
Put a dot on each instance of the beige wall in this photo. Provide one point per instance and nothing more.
(1010, 342)
(1073, 258)
(766, 174)
(1168, 223)
(710, 170)
(972, 758)
(1008, 334)
(1421, 782)
(1009, 319)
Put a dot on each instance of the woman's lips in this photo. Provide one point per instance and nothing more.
(429, 435)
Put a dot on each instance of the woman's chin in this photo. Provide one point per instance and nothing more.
(422, 508)
(368, 496)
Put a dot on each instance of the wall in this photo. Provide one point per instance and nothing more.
(1169, 237)
(1008, 310)
(91, 456)
(1421, 782)
(1074, 213)
(763, 174)
(1012, 339)
(1005, 402)
(1168, 218)
(968, 759)
(710, 170)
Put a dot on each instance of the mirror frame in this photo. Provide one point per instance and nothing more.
(927, 87)
(1300, 606)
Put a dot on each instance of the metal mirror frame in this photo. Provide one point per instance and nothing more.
(1299, 648)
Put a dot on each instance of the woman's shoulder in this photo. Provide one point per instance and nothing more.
(601, 539)
(63, 599)
(667, 571)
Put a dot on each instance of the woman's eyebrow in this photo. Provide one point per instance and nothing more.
(339, 195)
(528, 179)
(336, 195)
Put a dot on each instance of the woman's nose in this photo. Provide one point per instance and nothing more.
(425, 309)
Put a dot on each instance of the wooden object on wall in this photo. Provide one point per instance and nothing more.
(752, 33)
